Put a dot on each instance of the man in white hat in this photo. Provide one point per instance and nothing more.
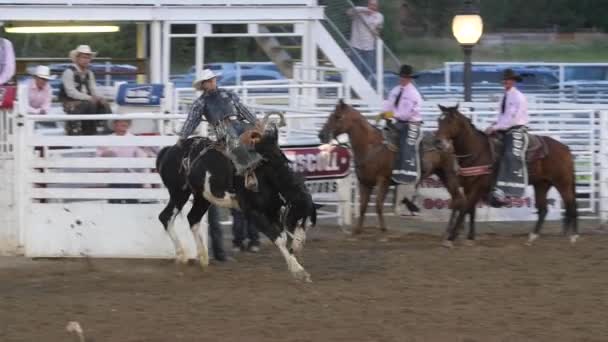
(229, 119)
(78, 93)
(39, 91)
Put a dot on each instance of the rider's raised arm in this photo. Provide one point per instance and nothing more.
(195, 116)
(241, 109)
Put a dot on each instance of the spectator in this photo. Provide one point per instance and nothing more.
(7, 60)
(121, 128)
(242, 229)
(216, 234)
(366, 26)
(39, 91)
(78, 92)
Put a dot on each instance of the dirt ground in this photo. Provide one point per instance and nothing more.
(405, 289)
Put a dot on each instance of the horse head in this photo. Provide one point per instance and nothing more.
(451, 123)
(266, 130)
(339, 122)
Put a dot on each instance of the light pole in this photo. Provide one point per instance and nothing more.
(467, 27)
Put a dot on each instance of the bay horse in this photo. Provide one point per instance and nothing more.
(280, 207)
(374, 160)
(553, 168)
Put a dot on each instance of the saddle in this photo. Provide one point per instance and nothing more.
(390, 135)
(408, 142)
(196, 147)
(537, 148)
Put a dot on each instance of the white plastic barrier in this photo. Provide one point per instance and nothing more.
(603, 167)
(62, 191)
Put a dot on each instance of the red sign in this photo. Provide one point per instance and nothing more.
(316, 165)
(7, 96)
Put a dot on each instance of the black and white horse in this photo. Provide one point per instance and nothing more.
(280, 208)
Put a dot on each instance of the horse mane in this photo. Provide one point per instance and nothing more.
(470, 123)
(366, 122)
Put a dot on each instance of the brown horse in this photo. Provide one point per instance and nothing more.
(374, 160)
(556, 168)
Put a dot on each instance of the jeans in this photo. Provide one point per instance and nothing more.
(84, 127)
(366, 63)
(242, 229)
(215, 233)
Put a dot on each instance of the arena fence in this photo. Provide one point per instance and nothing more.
(61, 195)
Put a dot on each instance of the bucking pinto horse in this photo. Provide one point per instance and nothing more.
(280, 208)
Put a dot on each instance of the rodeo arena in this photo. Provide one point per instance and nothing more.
(329, 193)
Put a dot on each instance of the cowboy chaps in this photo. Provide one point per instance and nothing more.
(512, 171)
(407, 164)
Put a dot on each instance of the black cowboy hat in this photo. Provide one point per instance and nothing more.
(509, 74)
(407, 71)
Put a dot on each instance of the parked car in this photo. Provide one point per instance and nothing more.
(490, 76)
(230, 67)
(231, 78)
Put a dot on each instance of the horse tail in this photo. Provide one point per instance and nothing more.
(573, 210)
(161, 156)
(571, 214)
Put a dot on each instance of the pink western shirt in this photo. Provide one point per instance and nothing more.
(39, 99)
(408, 108)
(7, 60)
(515, 113)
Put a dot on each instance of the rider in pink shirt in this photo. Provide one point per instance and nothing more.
(511, 126)
(403, 104)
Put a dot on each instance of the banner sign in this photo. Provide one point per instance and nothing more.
(434, 201)
(140, 94)
(316, 165)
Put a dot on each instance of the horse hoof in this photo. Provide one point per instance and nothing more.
(181, 261)
(302, 275)
(447, 244)
(531, 238)
(203, 261)
(574, 238)
(469, 242)
(357, 231)
(180, 258)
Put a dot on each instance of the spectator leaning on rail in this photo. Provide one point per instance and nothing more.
(229, 118)
(7, 60)
(39, 91)
(365, 28)
(78, 92)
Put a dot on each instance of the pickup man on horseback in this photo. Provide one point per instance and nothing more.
(511, 129)
(229, 119)
(403, 104)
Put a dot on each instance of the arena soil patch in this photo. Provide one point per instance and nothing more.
(406, 288)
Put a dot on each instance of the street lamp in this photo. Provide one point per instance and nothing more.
(467, 28)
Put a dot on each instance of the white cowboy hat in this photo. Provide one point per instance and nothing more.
(207, 75)
(43, 71)
(82, 49)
